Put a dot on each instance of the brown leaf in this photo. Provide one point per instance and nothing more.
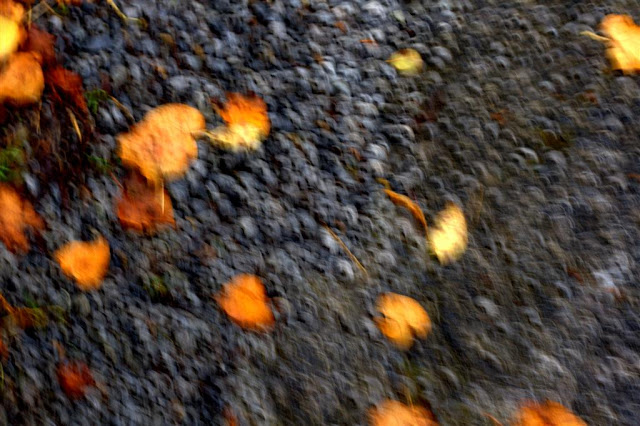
(409, 204)
(85, 262)
(23, 317)
(66, 85)
(403, 318)
(162, 144)
(42, 43)
(16, 217)
(395, 413)
(144, 206)
(245, 301)
(21, 80)
(75, 378)
(548, 413)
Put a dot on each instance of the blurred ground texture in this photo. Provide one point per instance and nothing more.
(517, 118)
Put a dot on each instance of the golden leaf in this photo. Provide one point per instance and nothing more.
(548, 413)
(247, 123)
(10, 36)
(406, 61)
(85, 262)
(16, 216)
(403, 318)
(162, 144)
(409, 204)
(395, 413)
(448, 237)
(11, 10)
(245, 301)
(22, 80)
(624, 42)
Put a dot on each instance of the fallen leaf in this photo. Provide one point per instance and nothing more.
(67, 85)
(11, 10)
(623, 48)
(448, 237)
(245, 301)
(16, 217)
(395, 413)
(42, 43)
(549, 413)
(21, 81)
(74, 379)
(403, 318)
(162, 144)
(23, 317)
(144, 207)
(4, 350)
(11, 34)
(407, 61)
(409, 204)
(247, 123)
(85, 262)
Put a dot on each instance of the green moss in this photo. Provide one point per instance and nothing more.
(156, 288)
(102, 165)
(95, 98)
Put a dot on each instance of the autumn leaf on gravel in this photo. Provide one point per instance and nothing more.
(24, 317)
(16, 217)
(624, 42)
(407, 61)
(85, 262)
(11, 10)
(42, 43)
(395, 413)
(11, 34)
(247, 123)
(403, 318)
(409, 204)
(74, 379)
(21, 80)
(548, 413)
(245, 301)
(67, 85)
(144, 207)
(162, 144)
(448, 237)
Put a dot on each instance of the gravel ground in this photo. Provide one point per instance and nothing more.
(516, 118)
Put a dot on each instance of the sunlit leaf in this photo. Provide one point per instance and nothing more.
(16, 217)
(11, 33)
(245, 301)
(247, 123)
(85, 262)
(395, 413)
(548, 413)
(624, 42)
(403, 318)
(448, 237)
(407, 61)
(21, 80)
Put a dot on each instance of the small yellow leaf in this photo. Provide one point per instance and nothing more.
(247, 123)
(409, 204)
(548, 413)
(448, 237)
(395, 413)
(624, 42)
(407, 61)
(403, 318)
(85, 262)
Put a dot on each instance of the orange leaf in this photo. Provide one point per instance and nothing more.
(245, 301)
(395, 413)
(162, 144)
(144, 207)
(85, 262)
(75, 378)
(16, 216)
(42, 43)
(247, 122)
(403, 318)
(409, 204)
(67, 85)
(21, 81)
(548, 413)
(624, 42)
(11, 10)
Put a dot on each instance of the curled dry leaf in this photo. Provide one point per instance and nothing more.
(162, 144)
(144, 207)
(624, 42)
(409, 204)
(395, 413)
(448, 237)
(403, 318)
(247, 123)
(85, 262)
(407, 61)
(74, 379)
(549, 413)
(21, 81)
(16, 216)
(245, 301)
(67, 85)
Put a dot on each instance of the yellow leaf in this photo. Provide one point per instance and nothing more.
(448, 237)
(409, 204)
(403, 318)
(85, 262)
(245, 301)
(10, 36)
(548, 413)
(395, 413)
(247, 123)
(624, 42)
(162, 144)
(407, 61)
(22, 80)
